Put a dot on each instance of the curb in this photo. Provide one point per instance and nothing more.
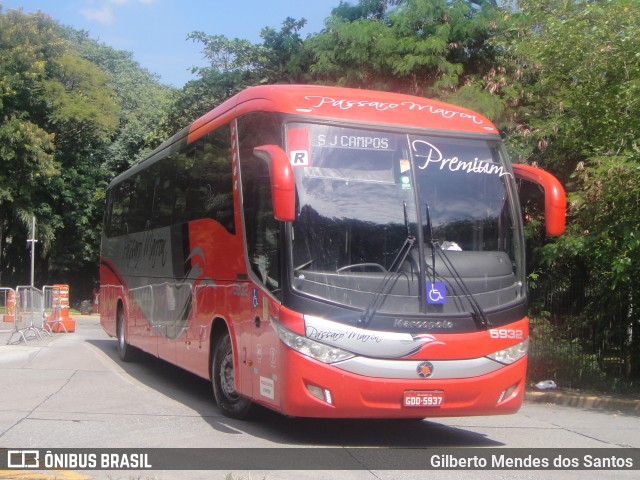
(568, 398)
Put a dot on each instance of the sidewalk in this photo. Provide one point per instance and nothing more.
(592, 401)
(7, 332)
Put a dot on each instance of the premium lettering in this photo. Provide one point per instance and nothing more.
(432, 155)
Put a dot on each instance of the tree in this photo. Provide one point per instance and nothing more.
(573, 68)
(142, 99)
(142, 103)
(577, 79)
(423, 47)
(82, 114)
(235, 64)
(26, 146)
(285, 59)
(59, 115)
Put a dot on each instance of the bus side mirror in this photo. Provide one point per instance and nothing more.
(555, 200)
(282, 181)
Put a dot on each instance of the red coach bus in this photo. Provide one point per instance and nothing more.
(328, 252)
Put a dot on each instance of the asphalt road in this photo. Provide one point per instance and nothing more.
(71, 391)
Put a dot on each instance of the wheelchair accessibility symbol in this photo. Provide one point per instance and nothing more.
(436, 293)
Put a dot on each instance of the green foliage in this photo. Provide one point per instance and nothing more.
(235, 64)
(285, 57)
(606, 204)
(63, 101)
(143, 101)
(27, 144)
(420, 47)
(365, 9)
(429, 47)
(78, 98)
(576, 72)
(226, 55)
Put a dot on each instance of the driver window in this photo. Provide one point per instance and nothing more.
(262, 230)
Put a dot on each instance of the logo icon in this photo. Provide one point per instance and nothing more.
(424, 369)
(299, 158)
(436, 293)
(23, 458)
(425, 339)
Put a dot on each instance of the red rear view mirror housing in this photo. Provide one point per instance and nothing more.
(282, 181)
(555, 199)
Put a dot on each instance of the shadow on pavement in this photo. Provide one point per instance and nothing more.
(195, 392)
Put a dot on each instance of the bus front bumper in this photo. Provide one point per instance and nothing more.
(313, 389)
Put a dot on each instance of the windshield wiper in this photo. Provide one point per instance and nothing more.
(406, 246)
(392, 275)
(478, 314)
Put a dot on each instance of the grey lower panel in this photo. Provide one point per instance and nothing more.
(408, 369)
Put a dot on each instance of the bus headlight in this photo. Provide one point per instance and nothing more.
(511, 354)
(316, 350)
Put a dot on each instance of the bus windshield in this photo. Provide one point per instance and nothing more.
(429, 223)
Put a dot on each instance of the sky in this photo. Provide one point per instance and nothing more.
(155, 31)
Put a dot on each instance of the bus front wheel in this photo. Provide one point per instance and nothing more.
(229, 401)
(125, 351)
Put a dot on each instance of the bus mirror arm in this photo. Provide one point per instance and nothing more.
(282, 181)
(555, 200)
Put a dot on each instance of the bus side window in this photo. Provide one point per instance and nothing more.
(262, 230)
(111, 215)
(118, 210)
(183, 162)
(218, 179)
(163, 176)
(205, 180)
(141, 202)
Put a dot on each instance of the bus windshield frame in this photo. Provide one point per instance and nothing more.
(363, 192)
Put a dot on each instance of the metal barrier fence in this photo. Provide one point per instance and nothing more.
(28, 312)
(27, 322)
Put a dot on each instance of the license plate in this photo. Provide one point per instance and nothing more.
(423, 399)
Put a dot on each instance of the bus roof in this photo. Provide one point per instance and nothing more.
(329, 103)
(346, 104)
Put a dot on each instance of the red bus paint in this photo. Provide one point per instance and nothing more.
(328, 252)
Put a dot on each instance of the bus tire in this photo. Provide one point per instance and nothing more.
(125, 351)
(229, 401)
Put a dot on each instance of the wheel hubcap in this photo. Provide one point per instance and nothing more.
(227, 378)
